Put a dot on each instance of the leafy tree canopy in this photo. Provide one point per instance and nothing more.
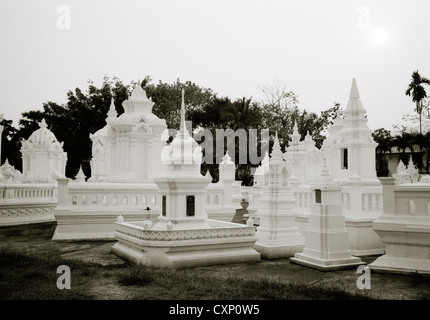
(85, 112)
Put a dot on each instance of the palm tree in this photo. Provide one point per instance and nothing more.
(418, 93)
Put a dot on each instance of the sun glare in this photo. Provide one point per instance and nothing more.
(379, 37)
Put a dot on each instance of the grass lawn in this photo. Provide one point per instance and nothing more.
(31, 274)
(28, 271)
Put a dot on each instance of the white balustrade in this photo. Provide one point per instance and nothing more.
(371, 201)
(103, 198)
(19, 193)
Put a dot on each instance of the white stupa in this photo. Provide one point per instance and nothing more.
(43, 158)
(277, 235)
(183, 235)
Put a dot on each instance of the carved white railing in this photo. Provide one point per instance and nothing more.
(27, 203)
(365, 199)
(346, 201)
(215, 197)
(412, 199)
(371, 201)
(25, 193)
(112, 194)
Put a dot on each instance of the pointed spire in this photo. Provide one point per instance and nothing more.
(208, 175)
(43, 124)
(80, 176)
(410, 162)
(354, 90)
(308, 137)
(226, 159)
(354, 110)
(276, 156)
(295, 137)
(182, 127)
(295, 128)
(276, 142)
(112, 110)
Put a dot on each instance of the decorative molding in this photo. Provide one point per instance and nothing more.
(27, 211)
(174, 235)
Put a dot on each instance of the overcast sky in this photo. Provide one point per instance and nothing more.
(233, 47)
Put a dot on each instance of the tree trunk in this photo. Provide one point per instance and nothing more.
(419, 113)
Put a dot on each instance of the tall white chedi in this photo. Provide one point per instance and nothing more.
(350, 147)
(43, 158)
(277, 235)
(182, 186)
(326, 236)
(128, 148)
(350, 151)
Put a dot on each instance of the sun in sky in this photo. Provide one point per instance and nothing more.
(379, 37)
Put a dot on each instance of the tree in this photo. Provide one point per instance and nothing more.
(384, 139)
(10, 145)
(167, 98)
(418, 93)
(72, 123)
(307, 122)
(404, 142)
(423, 140)
(277, 94)
(222, 113)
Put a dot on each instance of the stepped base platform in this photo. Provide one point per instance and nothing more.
(222, 243)
(326, 264)
(401, 265)
(270, 252)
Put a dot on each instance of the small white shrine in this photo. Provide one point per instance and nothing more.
(404, 227)
(304, 156)
(183, 236)
(43, 158)
(128, 148)
(278, 236)
(326, 246)
(31, 197)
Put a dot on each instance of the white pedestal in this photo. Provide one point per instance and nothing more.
(326, 246)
